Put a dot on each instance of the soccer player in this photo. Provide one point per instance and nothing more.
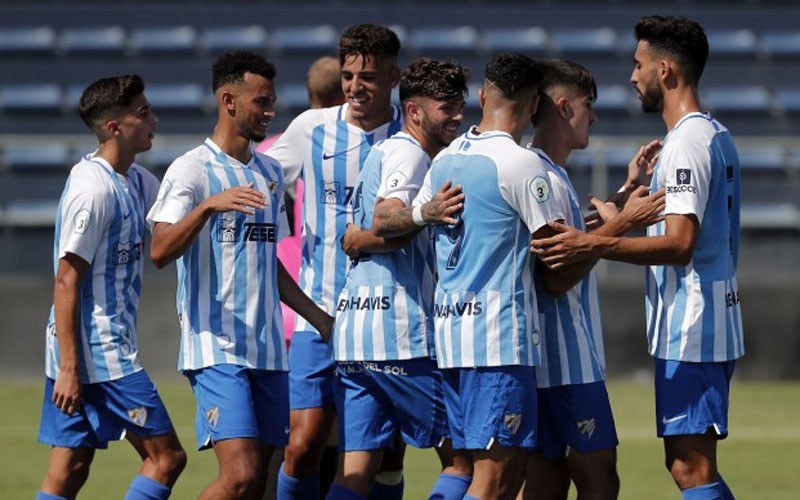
(327, 147)
(383, 338)
(220, 213)
(485, 310)
(577, 436)
(96, 388)
(694, 324)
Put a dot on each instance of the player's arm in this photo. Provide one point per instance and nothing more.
(170, 241)
(356, 241)
(67, 389)
(674, 247)
(399, 220)
(293, 296)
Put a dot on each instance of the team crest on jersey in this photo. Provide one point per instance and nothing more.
(138, 415)
(512, 421)
(212, 417)
(540, 189)
(330, 192)
(227, 230)
(586, 427)
(81, 220)
(126, 252)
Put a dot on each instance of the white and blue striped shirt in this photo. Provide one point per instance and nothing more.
(383, 311)
(485, 306)
(572, 339)
(228, 302)
(693, 311)
(101, 220)
(328, 152)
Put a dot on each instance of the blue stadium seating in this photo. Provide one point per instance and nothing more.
(29, 213)
(313, 40)
(617, 99)
(529, 40)
(219, 39)
(440, 41)
(763, 158)
(734, 43)
(104, 40)
(163, 40)
(37, 158)
(27, 41)
(32, 97)
(749, 99)
(787, 100)
(780, 43)
(578, 42)
(180, 97)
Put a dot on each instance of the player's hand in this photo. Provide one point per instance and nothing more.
(641, 166)
(244, 199)
(326, 327)
(568, 246)
(67, 392)
(600, 211)
(444, 205)
(643, 209)
(349, 241)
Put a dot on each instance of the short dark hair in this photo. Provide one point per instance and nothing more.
(107, 98)
(679, 37)
(368, 40)
(231, 67)
(438, 80)
(558, 73)
(512, 72)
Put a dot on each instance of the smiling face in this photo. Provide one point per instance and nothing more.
(253, 106)
(439, 120)
(644, 78)
(367, 84)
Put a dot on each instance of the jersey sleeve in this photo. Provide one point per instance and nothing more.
(180, 191)
(685, 166)
(425, 193)
(528, 189)
(403, 173)
(290, 148)
(86, 210)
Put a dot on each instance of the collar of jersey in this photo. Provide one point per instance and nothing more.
(689, 116)
(224, 158)
(472, 135)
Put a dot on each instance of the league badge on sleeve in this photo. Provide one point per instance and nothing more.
(540, 189)
(82, 219)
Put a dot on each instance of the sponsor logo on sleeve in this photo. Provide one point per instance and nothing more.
(683, 182)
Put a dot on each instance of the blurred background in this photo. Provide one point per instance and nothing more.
(50, 50)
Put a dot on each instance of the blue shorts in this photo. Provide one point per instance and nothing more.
(692, 397)
(109, 410)
(311, 371)
(376, 398)
(239, 402)
(489, 404)
(575, 417)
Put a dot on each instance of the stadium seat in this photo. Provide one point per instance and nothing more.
(780, 44)
(443, 40)
(584, 41)
(317, 40)
(33, 97)
(532, 41)
(29, 213)
(164, 151)
(473, 101)
(616, 99)
(292, 97)
(40, 40)
(734, 43)
(163, 40)
(216, 40)
(752, 99)
(766, 158)
(772, 215)
(30, 158)
(175, 97)
(787, 100)
(92, 41)
(618, 156)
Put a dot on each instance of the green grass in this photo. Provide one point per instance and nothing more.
(758, 460)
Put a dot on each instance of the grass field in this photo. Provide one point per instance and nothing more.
(759, 460)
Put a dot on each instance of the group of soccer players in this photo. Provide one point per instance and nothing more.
(446, 296)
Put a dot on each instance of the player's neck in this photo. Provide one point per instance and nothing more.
(429, 146)
(679, 103)
(504, 120)
(232, 144)
(370, 123)
(551, 141)
(119, 160)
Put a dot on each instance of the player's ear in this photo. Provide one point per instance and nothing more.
(481, 96)
(412, 110)
(227, 99)
(563, 108)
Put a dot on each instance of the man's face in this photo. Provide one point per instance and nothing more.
(583, 117)
(367, 85)
(644, 79)
(138, 124)
(254, 106)
(440, 120)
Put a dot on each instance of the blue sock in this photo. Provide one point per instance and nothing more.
(450, 486)
(709, 491)
(727, 494)
(144, 488)
(339, 492)
(48, 496)
(290, 488)
(383, 491)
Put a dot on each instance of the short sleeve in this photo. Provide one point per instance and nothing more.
(403, 173)
(528, 189)
(425, 193)
(685, 172)
(85, 214)
(180, 192)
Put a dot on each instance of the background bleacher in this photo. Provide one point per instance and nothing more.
(50, 50)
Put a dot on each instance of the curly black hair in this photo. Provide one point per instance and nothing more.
(512, 72)
(368, 40)
(231, 67)
(438, 80)
(679, 37)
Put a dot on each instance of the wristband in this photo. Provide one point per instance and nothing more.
(416, 214)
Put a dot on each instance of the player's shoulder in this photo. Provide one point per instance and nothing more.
(189, 161)
(697, 128)
(401, 143)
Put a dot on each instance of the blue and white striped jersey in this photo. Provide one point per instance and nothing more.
(228, 302)
(572, 339)
(383, 311)
(328, 153)
(693, 311)
(485, 305)
(101, 220)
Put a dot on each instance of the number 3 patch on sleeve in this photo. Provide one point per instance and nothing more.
(540, 189)
(81, 220)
